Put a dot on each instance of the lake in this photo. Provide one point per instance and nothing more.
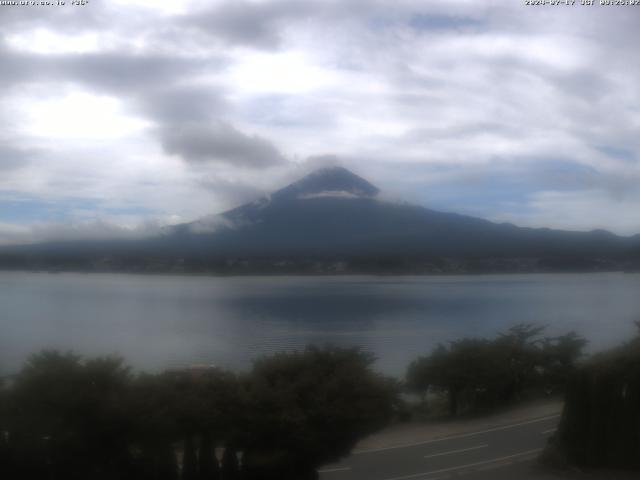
(167, 321)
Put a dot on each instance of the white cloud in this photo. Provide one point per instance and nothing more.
(290, 73)
(166, 7)
(78, 115)
(104, 228)
(416, 94)
(45, 41)
(579, 210)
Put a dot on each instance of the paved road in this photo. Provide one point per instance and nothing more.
(501, 452)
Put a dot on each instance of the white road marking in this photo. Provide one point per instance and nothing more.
(551, 430)
(457, 451)
(455, 437)
(337, 469)
(468, 465)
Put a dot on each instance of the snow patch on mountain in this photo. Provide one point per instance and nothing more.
(331, 194)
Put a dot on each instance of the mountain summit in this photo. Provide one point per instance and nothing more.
(330, 181)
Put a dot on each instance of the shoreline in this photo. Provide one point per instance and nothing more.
(169, 273)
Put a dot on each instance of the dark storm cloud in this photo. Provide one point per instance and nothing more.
(220, 143)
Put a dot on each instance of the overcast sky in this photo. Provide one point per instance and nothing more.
(119, 116)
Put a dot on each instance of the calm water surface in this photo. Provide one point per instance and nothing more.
(157, 322)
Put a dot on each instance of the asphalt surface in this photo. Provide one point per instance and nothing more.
(504, 452)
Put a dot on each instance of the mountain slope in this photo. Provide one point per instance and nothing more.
(334, 212)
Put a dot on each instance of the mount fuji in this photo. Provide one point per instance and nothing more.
(335, 215)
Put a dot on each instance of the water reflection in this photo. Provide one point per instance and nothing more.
(161, 321)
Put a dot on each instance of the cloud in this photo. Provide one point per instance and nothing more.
(322, 161)
(129, 73)
(220, 143)
(12, 234)
(182, 104)
(582, 210)
(478, 107)
(235, 192)
(70, 18)
(12, 158)
(121, 72)
(246, 23)
(18, 67)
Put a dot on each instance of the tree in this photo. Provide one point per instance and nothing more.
(469, 371)
(207, 462)
(230, 468)
(67, 419)
(600, 424)
(480, 374)
(519, 348)
(560, 356)
(5, 457)
(191, 409)
(309, 408)
(152, 408)
(425, 373)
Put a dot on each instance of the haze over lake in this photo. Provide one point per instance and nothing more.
(159, 322)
